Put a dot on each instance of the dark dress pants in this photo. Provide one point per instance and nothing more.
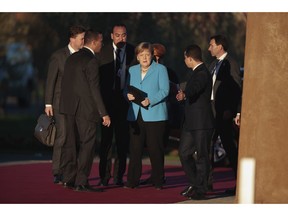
(153, 134)
(59, 142)
(78, 150)
(120, 129)
(194, 155)
(225, 129)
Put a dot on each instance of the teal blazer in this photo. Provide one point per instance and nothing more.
(156, 85)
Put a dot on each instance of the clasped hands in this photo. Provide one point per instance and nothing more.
(145, 102)
(180, 95)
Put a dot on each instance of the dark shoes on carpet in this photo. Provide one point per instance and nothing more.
(197, 196)
(191, 193)
(87, 188)
(149, 181)
(81, 188)
(106, 182)
(57, 179)
(129, 186)
(68, 185)
(187, 191)
(103, 183)
(145, 181)
(158, 187)
(231, 191)
(118, 182)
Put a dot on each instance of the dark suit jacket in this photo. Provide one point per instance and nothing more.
(54, 76)
(228, 86)
(80, 87)
(198, 110)
(107, 70)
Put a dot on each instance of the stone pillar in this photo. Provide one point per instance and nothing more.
(264, 115)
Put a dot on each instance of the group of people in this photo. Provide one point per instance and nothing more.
(89, 82)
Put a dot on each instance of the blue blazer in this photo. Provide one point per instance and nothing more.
(156, 85)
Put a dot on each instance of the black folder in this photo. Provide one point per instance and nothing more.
(138, 94)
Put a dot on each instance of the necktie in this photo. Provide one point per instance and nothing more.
(118, 70)
(214, 73)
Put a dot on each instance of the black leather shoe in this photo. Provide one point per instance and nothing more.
(87, 188)
(197, 196)
(119, 183)
(145, 181)
(188, 191)
(68, 185)
(159, 187)
(231, 191)
(128, 186)
(57, 179)
(149, 181)
(103, 183)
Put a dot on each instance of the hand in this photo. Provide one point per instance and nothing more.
(237, 119)
(49, 111)
(180, 96)
(106, 121)
(130, 97)
(145, 102)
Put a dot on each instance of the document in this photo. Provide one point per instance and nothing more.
(138, 94)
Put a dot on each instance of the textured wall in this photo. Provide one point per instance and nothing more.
(264, 122)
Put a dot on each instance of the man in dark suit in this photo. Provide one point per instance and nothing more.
(82, 105)
(225, 97)
(53, 91)
(198, 124)
(116, 57)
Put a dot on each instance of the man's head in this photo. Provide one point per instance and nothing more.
(192, 56)
(119, 35)
(218, 45)
(76, 35)
(93, 40)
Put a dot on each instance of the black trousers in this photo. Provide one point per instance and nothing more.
(151, 134)
(226, 130)
(119, 130)
(59, 142)
(78, 150)
(194, 156)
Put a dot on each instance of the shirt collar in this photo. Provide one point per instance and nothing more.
(222, 56)
(197, 65)
(115, 47)
(71, 49)
(90, 49)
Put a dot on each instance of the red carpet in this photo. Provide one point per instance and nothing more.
(32, 183)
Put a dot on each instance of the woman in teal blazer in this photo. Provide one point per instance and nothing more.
(149, 118)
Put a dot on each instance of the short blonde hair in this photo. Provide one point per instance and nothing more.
(144, 46)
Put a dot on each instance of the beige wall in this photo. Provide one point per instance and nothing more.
(264, 122)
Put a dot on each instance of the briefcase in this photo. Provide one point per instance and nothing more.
(45, 130)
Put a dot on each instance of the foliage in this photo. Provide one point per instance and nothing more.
(46, 32)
